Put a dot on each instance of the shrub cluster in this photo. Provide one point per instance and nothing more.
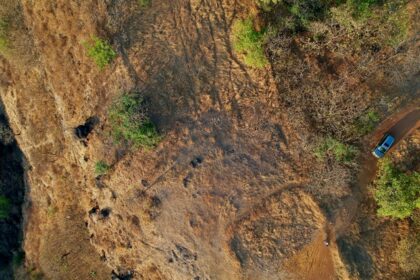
(130, 121)
(249, 43)
(4, 207)
(144, 3)
(3, 37)
(367, 122)
(408, 254)
(331, 147)
(101, 168)
(397, 193)
(100, 51)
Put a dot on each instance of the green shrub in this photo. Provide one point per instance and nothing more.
(130, 122)
(144, 3)
(101, 168)
(331, 147)
(267, 5)
(100, 51)
(18, 258)
(397, 193)
(4, 207)
(367, 122)
(4, 42)
(249, 43)
(362, 8)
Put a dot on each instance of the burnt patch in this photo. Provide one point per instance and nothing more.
(83, 131)
(357, 259)
(237, 248)
(187, 180)
(126, 275)
(93, 211)
(197, 161)
(104, 213)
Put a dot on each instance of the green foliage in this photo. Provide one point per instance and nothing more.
(362, 8)
(408, 254)
(4, 207)
(387, 24)
(367, 122)
(100, 51)
(4, 42)
(18, 258)
(249, 43)
(101, 168)
(331, 147)
(397, 21)
(267, 4)
(130, 122)
(144, 3)
(397, 193)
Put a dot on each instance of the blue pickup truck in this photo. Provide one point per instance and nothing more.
(384, 145)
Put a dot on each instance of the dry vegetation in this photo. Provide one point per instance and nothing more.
(236, 137)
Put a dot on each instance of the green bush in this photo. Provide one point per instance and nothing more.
(130, 122)
(18, 259)
(4, 207)
(4, 42)
(397, 193)
(331, 147)
(362, 8)
(101, 168)
(100, 51)
(249, 43)
(267, 5)
(144, 3)
(367, 122)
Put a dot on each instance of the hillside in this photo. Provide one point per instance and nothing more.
(209, 139)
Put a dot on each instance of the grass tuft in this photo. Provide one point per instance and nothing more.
(144, 3)
(101, 168)
(249, 43)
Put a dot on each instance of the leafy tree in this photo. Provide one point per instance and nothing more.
(130, 122)
(397, 193)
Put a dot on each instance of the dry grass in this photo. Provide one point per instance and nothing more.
(16, 43)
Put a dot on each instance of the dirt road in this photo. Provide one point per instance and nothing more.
(400, 126)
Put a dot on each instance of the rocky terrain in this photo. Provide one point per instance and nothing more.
(232, 189)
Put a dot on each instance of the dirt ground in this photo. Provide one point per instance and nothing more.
(225, 195)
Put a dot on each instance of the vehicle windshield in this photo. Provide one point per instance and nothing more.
(382, 149)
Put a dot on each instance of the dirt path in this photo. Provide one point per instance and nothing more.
(400, 126)
(315, 261)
